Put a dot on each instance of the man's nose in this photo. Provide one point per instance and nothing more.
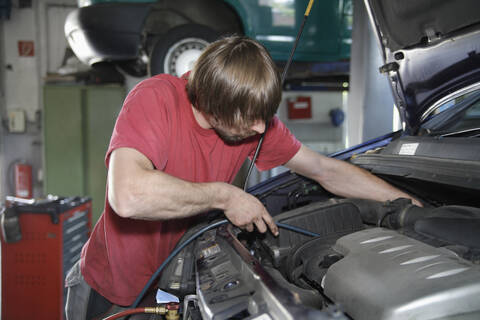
(259, 127)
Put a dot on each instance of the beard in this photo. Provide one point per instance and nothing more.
(230, 138)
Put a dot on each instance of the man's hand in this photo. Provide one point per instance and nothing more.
(244, 211)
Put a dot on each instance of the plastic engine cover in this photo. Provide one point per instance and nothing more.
(386, 275)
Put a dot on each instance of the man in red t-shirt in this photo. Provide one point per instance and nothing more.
(177, 145)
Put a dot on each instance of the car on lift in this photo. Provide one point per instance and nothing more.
(341, 258)
(167, 36)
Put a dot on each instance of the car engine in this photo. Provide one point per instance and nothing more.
(387, 275)
(336, 259)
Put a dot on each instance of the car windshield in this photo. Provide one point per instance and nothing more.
(459, 116)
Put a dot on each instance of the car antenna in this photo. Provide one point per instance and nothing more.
(284, 75)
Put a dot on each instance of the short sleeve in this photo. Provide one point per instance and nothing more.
(279, 146)
(142, 124)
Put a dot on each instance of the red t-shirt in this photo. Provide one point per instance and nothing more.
(158, 121)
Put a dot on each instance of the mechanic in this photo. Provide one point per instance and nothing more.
(177, 145)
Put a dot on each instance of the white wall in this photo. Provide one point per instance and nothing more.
(21, 78)
(22, 81)
(2, 107)
(43, 24)
(318, 132)
(370, 106)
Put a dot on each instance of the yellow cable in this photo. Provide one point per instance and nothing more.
(309, 7)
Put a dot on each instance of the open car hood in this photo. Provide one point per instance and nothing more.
(430, 49)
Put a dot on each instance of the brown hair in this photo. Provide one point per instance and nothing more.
(236, 81)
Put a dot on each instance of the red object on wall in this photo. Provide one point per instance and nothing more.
(23, 181)
(299, 108)
(34, 267)
(26, 49)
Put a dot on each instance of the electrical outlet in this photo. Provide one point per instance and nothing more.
(16, 121)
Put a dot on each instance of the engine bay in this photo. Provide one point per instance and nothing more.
(338, 259)
(377, 260)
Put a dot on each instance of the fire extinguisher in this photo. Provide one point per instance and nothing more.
(23, 180)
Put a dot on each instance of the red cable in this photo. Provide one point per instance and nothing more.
(125, 313)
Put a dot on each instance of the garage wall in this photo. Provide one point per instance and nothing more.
(22, 80)
(317, 132)
(369, 106)
(370, 102)
(20, 83)
(2, 107)
(21, 74)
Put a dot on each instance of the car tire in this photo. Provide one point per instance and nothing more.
(176, 52)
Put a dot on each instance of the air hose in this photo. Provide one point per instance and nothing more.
(173, 254)
(125, 313)
(170, 310)
(297, 229)
(195, 236)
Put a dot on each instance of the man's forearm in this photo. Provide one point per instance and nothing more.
(341, 178)
(137, 190)
(154, 195)
(348, 180)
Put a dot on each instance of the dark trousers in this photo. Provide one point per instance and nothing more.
(84, 303)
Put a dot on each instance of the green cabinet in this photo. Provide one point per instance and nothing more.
(78, 123)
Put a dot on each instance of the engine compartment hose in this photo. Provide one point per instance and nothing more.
(196, 235)
(173, 254)
(125, 313)
(297, 229)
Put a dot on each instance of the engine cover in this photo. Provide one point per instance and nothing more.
(386, 275)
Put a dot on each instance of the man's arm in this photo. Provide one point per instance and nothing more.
(136, 190)
(342, 178)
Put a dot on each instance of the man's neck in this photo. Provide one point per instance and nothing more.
(200, 118)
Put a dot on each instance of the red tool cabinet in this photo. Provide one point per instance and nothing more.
(40, 243)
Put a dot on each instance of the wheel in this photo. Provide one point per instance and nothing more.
(178, 50)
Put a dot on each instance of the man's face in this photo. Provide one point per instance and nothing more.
(236, 134)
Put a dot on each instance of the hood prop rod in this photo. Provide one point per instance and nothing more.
(284, 75)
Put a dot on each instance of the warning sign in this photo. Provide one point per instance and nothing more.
(26, 49)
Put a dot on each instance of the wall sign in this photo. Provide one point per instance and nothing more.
(299, 107)
(26, 49)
